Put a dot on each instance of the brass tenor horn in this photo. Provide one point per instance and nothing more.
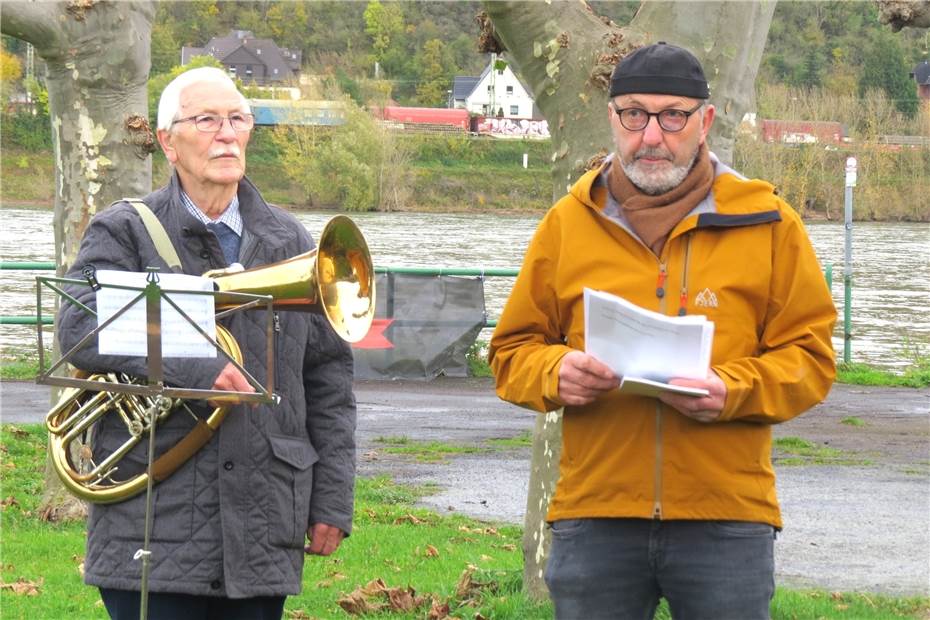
(70, 444)
(336, 278)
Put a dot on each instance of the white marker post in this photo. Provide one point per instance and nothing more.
(847, 269)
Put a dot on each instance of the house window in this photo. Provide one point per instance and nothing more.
(248, 69)
(489, 88)
(510, 90)
(514, 110)
(258, 51)
(232, 71)
(276, 72)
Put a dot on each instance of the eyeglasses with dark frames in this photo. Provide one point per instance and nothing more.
(212, 123)
(671, 120)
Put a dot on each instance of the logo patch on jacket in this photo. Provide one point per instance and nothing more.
(706, 299)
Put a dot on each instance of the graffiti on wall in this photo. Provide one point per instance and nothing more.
(512, 127)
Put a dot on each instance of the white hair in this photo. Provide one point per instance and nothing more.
(170, 102)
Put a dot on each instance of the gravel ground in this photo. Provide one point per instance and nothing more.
(863, 526)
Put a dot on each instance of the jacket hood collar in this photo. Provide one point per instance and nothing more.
(738, 193)
(257, 216)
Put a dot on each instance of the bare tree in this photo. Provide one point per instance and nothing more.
(565, 53)
(97, 59)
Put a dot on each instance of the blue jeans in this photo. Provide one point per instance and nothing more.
(620, 568)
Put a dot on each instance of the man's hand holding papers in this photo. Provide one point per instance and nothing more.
(649, 350)
(704, 408)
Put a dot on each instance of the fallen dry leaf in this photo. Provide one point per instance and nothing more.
(431, 551)
(22, 587)
(408, 518)
(375, 596)
(357, 603)
(404, 599)
(17, 431)
(438, 611)
(486, 558)
(9, 501)
(466, 584)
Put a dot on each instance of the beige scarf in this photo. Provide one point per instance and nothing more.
(654, 217)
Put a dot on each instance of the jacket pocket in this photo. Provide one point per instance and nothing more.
(172, 499)
(291, 477)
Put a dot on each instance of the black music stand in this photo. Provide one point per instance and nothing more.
(153, 295)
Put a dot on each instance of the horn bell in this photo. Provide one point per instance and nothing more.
(336, 277)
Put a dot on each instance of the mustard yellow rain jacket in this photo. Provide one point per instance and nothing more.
(743, 259)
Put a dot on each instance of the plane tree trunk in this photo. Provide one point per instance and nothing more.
(97, 59)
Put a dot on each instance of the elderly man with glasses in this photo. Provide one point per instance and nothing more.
(671, 495)
(231, 525)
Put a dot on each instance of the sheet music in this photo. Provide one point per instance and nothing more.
(640, 344)
(127, 335)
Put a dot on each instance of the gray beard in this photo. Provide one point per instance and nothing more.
(654, 184)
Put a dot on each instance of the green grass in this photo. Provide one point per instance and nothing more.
(21, 366)
(477, 358)
(393, 541)
(853, 421)
(797, 451)
(816, 604)
(27, 177)
(439, 451)
(917, 375)
(424, 451)
(523, 440)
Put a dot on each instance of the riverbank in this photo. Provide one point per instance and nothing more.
(455, 173)
(447, 174)
(853, 473)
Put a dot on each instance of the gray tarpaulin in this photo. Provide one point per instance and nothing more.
(423, 327)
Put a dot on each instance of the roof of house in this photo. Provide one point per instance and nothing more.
(463, 86)
(286, 61)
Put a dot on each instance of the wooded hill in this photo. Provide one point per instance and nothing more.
(421, 46)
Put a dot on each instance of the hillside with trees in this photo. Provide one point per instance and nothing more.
(824, 61)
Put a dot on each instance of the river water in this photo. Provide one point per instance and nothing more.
(891, 268)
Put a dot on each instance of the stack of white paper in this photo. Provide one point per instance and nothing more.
(646, 348)
(127, 334)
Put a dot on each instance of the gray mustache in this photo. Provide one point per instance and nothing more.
(234, 151)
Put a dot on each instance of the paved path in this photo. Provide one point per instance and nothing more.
(848, 527)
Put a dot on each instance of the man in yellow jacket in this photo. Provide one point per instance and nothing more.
(672, 496)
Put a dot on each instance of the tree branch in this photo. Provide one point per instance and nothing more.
(33, 22)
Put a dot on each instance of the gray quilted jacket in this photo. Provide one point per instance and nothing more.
(232, 520)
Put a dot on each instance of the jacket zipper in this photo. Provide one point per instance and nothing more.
(277, 331)
(657, 505)
(682, 310)
(683, 294)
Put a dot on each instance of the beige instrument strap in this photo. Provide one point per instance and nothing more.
(159, 236)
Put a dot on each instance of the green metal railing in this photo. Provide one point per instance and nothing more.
(423, 271)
